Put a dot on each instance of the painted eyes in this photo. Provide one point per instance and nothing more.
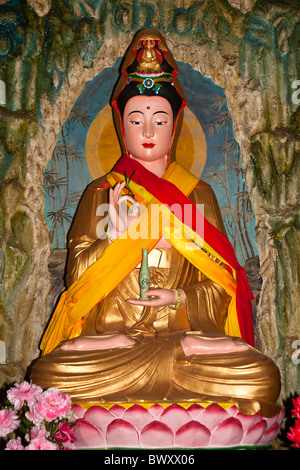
(158, 123)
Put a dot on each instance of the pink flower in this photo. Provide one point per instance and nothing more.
(40, 443)
(65, 433)
(294, 435)
(296, 411)
(14, 444)
(38, 431)
(8, 421)
(22, 392)
(52, 404)
(34, 416)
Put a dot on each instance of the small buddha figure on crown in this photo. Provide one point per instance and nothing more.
(149, 60)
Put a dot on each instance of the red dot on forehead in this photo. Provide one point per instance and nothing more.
(148, 107)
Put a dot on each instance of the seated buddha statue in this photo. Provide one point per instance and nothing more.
(191, 339)
(149, 59)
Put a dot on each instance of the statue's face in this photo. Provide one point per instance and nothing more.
(148, 127)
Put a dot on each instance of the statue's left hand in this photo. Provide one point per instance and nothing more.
(160, 298)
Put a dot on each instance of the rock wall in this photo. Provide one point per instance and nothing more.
(51, 49)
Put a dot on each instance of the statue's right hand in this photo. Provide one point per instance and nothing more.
(118, 216)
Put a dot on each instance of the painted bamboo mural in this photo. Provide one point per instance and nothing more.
(237, 213)
(57, 187)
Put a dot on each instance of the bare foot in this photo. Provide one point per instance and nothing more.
(199, 345)
(97, 342)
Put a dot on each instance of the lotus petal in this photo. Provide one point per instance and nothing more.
(78, 411)
(157, 434)
(247, 421)
(229, 433)
(117, 410)
(138, 416)
(270, 434)
(195, 410)
(175, 416)
(281, 415)
(121, 434)
(271, 420)
(278, 418)
(87, 435)
(212, 416)
(232, 410)
(192, 434)
(99, 417)
(253, 435)
(156, 410)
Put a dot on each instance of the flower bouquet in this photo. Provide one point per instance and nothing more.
(294, 434)
(33, 419)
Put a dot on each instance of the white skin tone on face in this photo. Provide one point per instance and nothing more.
(148, 130)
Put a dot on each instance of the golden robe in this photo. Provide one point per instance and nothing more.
(155, 368)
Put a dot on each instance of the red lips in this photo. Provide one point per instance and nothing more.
(148, 146)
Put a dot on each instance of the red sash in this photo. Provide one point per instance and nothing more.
(168, 194)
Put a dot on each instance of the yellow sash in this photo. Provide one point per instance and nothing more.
(124, 254)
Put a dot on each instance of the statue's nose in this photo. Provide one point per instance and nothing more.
(148, 130)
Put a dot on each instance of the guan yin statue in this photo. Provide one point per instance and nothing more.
(176, 362)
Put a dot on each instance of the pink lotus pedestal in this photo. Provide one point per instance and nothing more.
(166, 426)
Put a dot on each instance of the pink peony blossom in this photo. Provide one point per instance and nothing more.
(52, 404)
(23, 392)
(38, 431)
(296, 411)
(65, 433)
(40, 443)
(294, 435)
(34, 416)
(8, 421)
(14, 444)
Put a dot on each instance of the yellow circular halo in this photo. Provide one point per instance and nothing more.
(102, 144)
(191, 148)
(103, 148)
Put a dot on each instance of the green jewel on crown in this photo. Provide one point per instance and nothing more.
(149, 83)
(149, 72)
(150, 80)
